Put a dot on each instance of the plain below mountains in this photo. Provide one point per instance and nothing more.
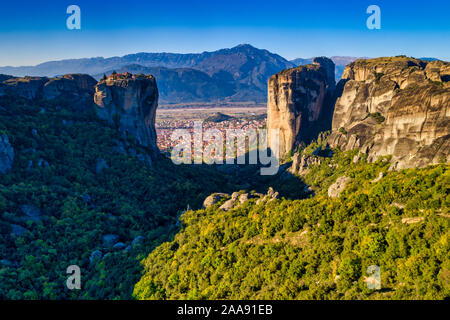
(238, 74)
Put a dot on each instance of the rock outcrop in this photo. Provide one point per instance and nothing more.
(26, 87)
(395, 106)
(213, 199)
(78, 89)
(129, 102)
(6, 154)
(300, 103)
(336, 188)
(229, 204)
(302, 163)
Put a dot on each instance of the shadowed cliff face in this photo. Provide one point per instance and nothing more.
(76, 88)
(130, 103)
(124, 100)
(395, 106)
(299, 103)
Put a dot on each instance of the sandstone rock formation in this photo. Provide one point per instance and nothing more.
(301, 163)
(6, 154)
(269, 196)
(229, 204)
(336, 188)
(395, 106)
(213, 199)
(78, 89)
(299, 103)
(130, 103)
(26, 87)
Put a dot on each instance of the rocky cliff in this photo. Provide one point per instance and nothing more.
(76, 88)
(395, 106)
(130, 103)
(300, 103)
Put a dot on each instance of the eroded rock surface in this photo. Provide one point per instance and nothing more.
(302, 163)
(78, 89)
(395, 106)
(299, 104)
(336, 188)
(213, 199)
(130, 103)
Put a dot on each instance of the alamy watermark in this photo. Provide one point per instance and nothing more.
(74, 280)
(237, 147)
(374, 20)
(373, 282)
(73, 22)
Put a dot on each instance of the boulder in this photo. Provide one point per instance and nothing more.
(243, 198)
(213, 199)
(228, 205)
(336, 188)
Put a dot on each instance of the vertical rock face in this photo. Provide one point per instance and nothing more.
(6, 154)
(78, 89)
(329, 67)
(300, 103)
(130, 102)
(395, 106)
(26, 87)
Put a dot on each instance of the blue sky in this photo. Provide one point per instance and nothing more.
(35, 31)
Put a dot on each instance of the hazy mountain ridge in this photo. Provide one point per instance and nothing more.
(237, 74)
(182, 84)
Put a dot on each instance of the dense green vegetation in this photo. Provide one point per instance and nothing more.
(317, 247)
(88, 182)
(55, 169)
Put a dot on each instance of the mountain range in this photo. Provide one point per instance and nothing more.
(238, 74)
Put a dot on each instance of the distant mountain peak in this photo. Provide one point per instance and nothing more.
(239, 73)
(244, 45)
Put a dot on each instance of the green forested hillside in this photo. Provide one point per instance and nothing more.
(76, 184)
(318, 247)
(85, 182)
